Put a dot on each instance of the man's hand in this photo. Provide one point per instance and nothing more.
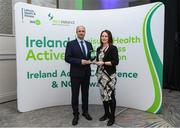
(85, 62)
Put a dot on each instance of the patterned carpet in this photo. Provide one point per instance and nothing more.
(61, 116)
(170, 116)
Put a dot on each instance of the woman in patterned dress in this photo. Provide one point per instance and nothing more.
(107, 59)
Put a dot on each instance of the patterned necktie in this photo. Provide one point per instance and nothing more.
(83, 48)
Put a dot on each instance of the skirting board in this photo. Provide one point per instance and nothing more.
(8, 96)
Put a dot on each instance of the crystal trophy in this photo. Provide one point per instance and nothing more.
(92, 55)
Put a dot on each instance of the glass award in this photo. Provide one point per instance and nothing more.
(92, 55)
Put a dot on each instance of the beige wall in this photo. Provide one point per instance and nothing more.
(8, 83)
(7, 68)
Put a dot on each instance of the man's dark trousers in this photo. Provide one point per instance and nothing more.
(77, 84)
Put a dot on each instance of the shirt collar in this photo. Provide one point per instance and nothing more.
(79, 40)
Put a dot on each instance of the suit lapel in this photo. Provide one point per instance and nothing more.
(88, 49)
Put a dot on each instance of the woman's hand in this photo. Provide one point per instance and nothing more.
(99, 63)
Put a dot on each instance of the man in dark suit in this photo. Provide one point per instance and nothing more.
(78, 56)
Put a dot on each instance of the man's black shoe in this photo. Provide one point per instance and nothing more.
(110, 122)
(75, 120)
(103, 118)
(87, 116)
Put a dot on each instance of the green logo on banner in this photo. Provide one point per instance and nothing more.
(37, 22)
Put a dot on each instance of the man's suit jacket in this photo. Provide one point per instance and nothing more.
(74, 55)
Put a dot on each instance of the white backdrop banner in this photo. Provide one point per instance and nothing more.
(41, 38)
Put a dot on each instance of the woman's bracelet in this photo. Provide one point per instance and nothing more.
(104, 63)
